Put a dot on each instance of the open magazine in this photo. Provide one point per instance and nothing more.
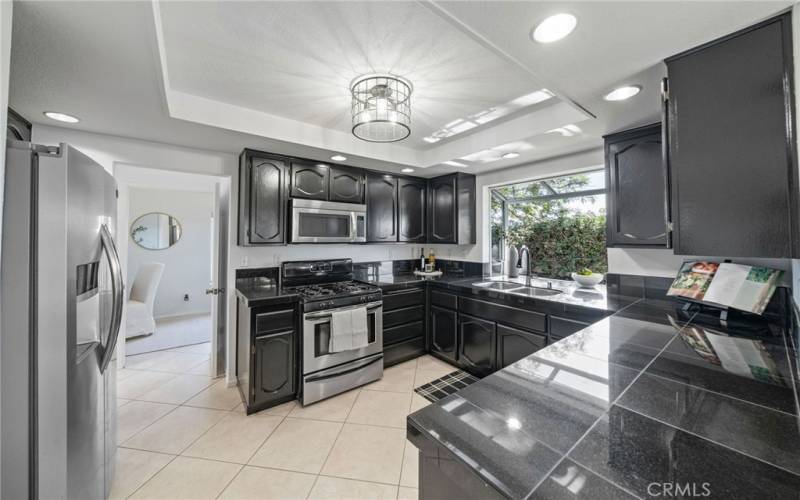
(748, 288)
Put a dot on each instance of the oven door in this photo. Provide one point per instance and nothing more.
(317, 336)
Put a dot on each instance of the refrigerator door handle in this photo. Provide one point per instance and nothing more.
(117, 288)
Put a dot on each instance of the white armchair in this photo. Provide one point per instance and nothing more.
(140, 320)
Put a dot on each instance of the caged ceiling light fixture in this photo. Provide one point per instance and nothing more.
(381, 108)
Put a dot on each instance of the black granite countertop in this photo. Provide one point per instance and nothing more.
(648, 396)
(261, 291)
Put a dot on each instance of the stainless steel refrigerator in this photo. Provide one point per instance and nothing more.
(62, 294)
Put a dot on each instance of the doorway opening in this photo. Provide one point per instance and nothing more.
(173, 246)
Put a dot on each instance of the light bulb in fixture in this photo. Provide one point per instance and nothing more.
(622, 93)
(338, 158)
(407, 170)
(554, 28)
(61, 117)
(510, 155)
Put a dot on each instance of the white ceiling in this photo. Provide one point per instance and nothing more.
(274, 75)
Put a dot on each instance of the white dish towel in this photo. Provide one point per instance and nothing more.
(360, 329)
(341, 331)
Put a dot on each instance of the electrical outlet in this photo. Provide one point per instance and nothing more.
(244, 260)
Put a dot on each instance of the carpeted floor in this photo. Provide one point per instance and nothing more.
(173, 332)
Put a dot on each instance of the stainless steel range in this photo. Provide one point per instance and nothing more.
(326, 287)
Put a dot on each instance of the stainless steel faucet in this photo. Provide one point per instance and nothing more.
(519, 263)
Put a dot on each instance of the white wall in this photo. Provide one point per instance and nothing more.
(188, 262)
(5, 62)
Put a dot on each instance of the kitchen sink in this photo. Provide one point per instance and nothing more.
(532, 291)
(499, 285)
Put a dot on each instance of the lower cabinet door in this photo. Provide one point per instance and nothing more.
(274, 367)
(476, 345)
(444, 335)
(513, 345)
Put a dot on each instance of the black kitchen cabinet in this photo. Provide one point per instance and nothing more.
(444, 333)
(267, 369)
(636, 205)
(451, 209)
(514, 344)
(411, 194)
(274, 368)
(263, 189)
(381, 208)
(403, 324)
(476, 345)
(346, 185)
(310, 180)
(729, 118)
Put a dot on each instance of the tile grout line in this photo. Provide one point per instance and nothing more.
(120, 445)
(583, 436)
(338, 434)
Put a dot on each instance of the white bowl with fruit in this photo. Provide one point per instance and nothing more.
(586, 278)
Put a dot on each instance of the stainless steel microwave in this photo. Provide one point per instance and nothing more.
(314, 221)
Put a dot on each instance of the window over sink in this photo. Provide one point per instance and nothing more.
(561, 219)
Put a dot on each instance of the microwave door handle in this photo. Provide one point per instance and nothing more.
(353, 227)
(117, 289)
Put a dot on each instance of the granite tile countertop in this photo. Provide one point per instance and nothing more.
(259, 291)
(648, 395)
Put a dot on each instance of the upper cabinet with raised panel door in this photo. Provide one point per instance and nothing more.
(381, 208)
(346, 185)
(636, 209)
(310, 180)
(729, 118)
(451, 209)
(263, 188)
(411, 195)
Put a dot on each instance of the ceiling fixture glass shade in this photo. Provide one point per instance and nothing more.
(622, 93)
(381, 108)
(61, 117)
(554, 28)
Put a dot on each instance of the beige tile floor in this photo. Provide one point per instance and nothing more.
(182, 434)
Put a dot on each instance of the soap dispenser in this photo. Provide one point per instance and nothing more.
(511, 262)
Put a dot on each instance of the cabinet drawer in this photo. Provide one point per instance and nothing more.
(404, 315)
(403, 351)
(403, 332)
(562, 327)
(403, 298)
(273, 321)
(443, 299)
(519, 318)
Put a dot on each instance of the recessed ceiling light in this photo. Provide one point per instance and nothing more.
(453, 163)
(623, 93)
(430, 139)
(61, 117)
(554, 28)
(510, 155)
(407, 170)
(338, 158)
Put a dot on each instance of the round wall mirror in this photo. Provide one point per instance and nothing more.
(155, 231)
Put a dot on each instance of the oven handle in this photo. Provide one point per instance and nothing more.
(317, 378)
(327, 314)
